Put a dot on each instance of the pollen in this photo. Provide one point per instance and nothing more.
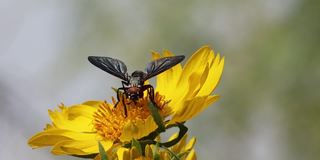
(110, 120)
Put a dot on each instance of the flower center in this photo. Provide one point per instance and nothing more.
(110, 120)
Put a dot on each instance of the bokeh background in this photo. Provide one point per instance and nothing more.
(269, 109)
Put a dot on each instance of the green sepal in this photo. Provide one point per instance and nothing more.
(173, 155)
(136, 144)
(155, 153)
(102, 152)
(183, 154)
(156, 116)
(150, 138)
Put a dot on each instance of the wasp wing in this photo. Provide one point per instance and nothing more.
(160, 65)
(110, 65)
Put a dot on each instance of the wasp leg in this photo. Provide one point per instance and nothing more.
(150, 90)
(123, 96)
(124, 83)
(124, 106)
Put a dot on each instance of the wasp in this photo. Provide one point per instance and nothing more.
(133, 86)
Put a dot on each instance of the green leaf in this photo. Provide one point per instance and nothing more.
(156, 116)
(136, 144)
(102, 152)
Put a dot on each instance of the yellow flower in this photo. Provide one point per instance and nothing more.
(182, 150)
(181, 93)
(76, 130)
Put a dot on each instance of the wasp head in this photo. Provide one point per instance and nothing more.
(134, 93)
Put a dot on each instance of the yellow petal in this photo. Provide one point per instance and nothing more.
(213, 77)
(123, 154)
(173, 136)
(196, 80)
(191, 155)
(166, 81)
(76, 118)
(177, 148)
(134, 154)
(84, 147)
(94, 104)
(193, 107)
(196, 63)
(190, 144)
(164, 156)
(138, 129)
(52, 136)
(155, 55)
(41, 140)
(193, 76)
(81, 111)
(160, 81)
(148, 152)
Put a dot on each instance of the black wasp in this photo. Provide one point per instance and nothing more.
(133, 85)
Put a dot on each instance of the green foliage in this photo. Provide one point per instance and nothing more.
(102, 152)
(156, 116)
(156, 155)
(136, 144)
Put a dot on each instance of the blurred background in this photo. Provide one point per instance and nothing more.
(269, 107)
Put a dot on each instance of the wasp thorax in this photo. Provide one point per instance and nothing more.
(138, 74)
(137, 78)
